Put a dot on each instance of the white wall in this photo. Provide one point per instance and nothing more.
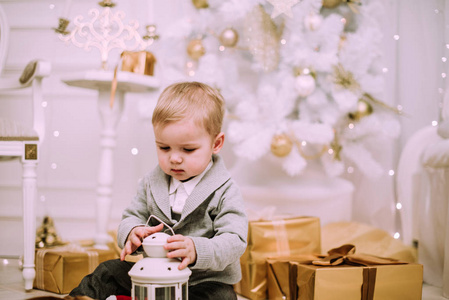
(67, 192)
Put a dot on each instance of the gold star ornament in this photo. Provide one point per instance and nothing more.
(282, 7)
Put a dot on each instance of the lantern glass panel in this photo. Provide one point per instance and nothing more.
(166, 293)
(140, 292)
(184, 291)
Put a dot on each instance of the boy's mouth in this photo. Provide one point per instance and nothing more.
(177, 170)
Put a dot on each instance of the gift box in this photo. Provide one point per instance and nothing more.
(278, 275)
(355, 277)
(274, 238)
(61, 269)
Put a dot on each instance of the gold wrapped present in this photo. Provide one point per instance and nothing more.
(278, 274)
(283, 237)
(346, 275)
(138, 62)
(61, 269)
(367, 239)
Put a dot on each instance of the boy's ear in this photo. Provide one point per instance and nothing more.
(218, 143)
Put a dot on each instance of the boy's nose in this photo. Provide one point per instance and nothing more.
(176, 158)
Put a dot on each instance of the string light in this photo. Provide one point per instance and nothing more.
(134, 151)
(434, 123)
(398, 206)
(396, 37)
(56, 133)
(391, 172)
(350, 170)
(397, 235)
(53, 166)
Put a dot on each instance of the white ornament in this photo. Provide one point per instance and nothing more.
(313, 21)
(305, 85)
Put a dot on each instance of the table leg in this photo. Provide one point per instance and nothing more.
(29, 221)
(110, 117)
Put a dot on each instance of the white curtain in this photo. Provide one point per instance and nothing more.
(414, 51)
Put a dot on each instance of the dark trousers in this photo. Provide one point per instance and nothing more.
(111, 278)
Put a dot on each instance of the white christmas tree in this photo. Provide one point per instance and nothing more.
(302, 79)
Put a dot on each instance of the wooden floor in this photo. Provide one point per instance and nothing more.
(11, 286)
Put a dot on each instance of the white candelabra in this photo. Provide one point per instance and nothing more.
(105, 31)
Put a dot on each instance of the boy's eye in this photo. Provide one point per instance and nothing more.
(164, 148)
(189, 150)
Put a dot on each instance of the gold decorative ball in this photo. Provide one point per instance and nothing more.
(229, 37)
(200, 3)
(331, 3)
(281, 145)
(363, 109)
(195, 49)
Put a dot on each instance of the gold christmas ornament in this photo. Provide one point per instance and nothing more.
(195, 49)
(331, 3)
(363, 109)
(200, 4)
(229, 37)
(281, 145)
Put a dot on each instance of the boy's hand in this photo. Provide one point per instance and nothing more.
(182, 247)
(135, 238)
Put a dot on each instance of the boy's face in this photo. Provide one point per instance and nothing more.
(184, 149)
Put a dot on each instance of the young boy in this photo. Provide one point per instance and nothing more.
(192, 192)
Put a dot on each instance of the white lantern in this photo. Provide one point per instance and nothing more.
(157, 277)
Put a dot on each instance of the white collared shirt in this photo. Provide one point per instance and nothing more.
(180, 191)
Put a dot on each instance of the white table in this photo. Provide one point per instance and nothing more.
(126, 83)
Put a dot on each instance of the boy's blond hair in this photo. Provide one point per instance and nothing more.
(195, 100)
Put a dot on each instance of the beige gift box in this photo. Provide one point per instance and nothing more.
(343, 274)
(283, 237)
(278, 275)
(376, 282)
(61, 269)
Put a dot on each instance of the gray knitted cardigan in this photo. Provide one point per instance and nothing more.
(213, 216)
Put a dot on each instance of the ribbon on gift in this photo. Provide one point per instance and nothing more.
(138, 62)
(40, 255)
(345, 254)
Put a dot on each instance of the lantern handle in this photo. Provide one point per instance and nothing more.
(153, 216)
